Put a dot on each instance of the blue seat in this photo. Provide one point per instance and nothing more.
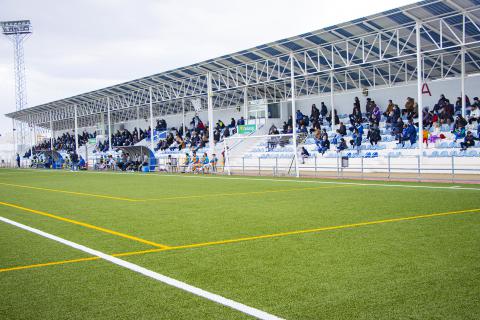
(472, 153)
(375, 155)
(444, 154)
(434, 154)
(367, 155)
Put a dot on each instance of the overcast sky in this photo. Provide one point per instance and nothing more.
(79, 46)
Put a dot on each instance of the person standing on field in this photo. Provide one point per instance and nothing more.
(18, 160)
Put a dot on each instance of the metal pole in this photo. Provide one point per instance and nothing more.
(225, 157)
(418, 168)
(183, 116)
(76, 131)
(332, 89)
(32, 130)
(243, 165)
(211, 143)
(245, 103)
(259, 173)
(464, 100)
(151, 119)
(51, 132)
(294, 122)
(34, 136)
(14, 140)
(315, 164)
(109, 125)
(389, 168)
(361, 163)
(138, 122)
(453, 168)
(419, 91)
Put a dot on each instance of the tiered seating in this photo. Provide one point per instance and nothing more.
(389, 147)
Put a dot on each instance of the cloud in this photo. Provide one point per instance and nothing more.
(79, 46)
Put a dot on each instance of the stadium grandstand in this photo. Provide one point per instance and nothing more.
(330, 175)
(402, 87)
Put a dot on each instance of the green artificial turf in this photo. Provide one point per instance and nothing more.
(425, 268)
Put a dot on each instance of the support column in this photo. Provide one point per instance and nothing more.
(211, 143)
(32, 143)
(34, 136)
(76, 131)
(464, 100)
(245, 103)
(294, 120)
(152, 146)
(419, 90)
(14, 140)
(52, 133)
(109, 125)
(332, 101)
(138, 122)
(183, 117)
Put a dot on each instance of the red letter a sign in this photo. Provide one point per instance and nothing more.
(426, 89)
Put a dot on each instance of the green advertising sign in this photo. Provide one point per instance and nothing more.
(246, 129)
(92, 141)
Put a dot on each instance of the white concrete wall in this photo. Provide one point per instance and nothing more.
(381, 95)
(343, 103)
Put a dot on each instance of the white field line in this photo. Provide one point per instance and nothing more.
(292, 180)
(151, 274)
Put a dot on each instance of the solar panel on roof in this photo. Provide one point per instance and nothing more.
(190, 72)
(438, 8)
(271, 51)
(400, 18)
(344, 33)
(315, 39)
(251, 56)
(291, 45)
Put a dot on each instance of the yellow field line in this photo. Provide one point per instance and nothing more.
(83, 224)
(243, 193)
(210, 195)
(71, 192)
(273, 235)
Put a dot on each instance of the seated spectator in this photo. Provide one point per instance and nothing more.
(241, 121)
(342, 129)
(213, 162)
(389, 110)
(469, 141)
(356, 140)
(356, 115)
(459, 133)
(474, 113)
(324, 110)
(324, 145)
(314, 113)
(304, 154)
(409, 110)
(298, 117)
(233, 123)
(435, 133)
(342, 145)
(375, 114)
(374, 135)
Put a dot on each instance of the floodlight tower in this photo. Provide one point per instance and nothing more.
(17, 32)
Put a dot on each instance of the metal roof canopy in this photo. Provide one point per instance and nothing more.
(373, 51)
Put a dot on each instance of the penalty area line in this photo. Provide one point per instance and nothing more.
(149, 273)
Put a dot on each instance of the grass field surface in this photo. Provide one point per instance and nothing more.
(297, 249)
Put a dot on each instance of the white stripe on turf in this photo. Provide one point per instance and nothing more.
(151, 274)
(294, 180)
